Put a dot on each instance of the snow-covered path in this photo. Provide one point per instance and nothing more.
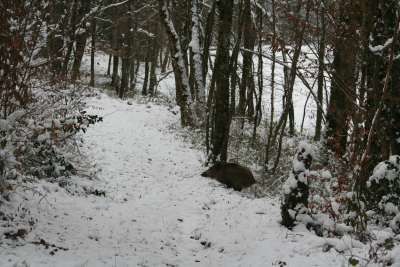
(158, 211)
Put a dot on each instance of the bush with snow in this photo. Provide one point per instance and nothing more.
(296, 189)
(384, 193)
(39, 140)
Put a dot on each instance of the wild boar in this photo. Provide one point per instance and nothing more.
(231, 174)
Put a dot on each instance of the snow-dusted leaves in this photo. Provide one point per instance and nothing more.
(384, 193)
(40, 139)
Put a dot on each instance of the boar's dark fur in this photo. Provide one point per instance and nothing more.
(231, 174)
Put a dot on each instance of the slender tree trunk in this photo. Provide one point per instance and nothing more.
(321, 67)
(125, 67)
(272, 111)
(208, 37)
(155, 47)
(79, 51)
(183, 95)
(146, 70)
(304, 113)
(260, 77)
(134, 58)
(109, 65)
(92, 52)
(71, 35)
(55, 40)
(221, 123)
(125, 26)
(80, 41)
(134, 74)
(292, 125)
(234, 62)
(115, 71)
(197, 56)
(115, 43)
(165, 61)
(249, 41)
(153, 77)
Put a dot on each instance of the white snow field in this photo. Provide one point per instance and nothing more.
(158, 210)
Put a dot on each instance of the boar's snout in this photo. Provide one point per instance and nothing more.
(213, 171)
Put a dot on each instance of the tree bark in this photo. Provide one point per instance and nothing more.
(92, 52)
(197, 55)
(71, 35)
(249, 40)
(221, 123)
(80, 40)
(154, 61)
(234, 63)
(109, 65)
(343, 81)
(146, 70)
(55, 40)
(321, 67)
(208, 37)
(183, 95)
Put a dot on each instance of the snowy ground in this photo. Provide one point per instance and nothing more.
(157, 211)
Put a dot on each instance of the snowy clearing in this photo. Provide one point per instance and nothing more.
(158, 210)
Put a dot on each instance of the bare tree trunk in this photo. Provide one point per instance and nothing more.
(115, 44)
(134, 74)
(134, 64)
(260, 78)
(153, 77)
(165, 61)
(304, 113)
(321, 67)
(125, 68)
(155, 48)
(343, 81)
(208, 36)
(272, 111)
(221, 123)
(197, 55)
(246, 27)
(71, 35)
(234, 62)
(92, 52)
(55, 40)
(249, 40)
(80, 41)
(79, 51)
(115, 70)
(109, 65)
(183, 95)
(146, 70)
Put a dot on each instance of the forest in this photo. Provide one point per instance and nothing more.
(199, 133)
